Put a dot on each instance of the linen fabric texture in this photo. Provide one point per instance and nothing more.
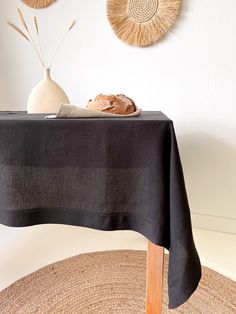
(72, 111)
(102, 173)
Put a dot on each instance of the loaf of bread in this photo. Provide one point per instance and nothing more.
(119, 104)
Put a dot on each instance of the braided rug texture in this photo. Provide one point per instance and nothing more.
(106, 283)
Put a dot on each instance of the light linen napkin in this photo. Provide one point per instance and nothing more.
(71, 111)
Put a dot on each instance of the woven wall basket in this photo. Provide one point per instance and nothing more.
(38, 4)
(142, 22)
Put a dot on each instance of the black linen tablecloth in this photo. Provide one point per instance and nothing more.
(102, 173)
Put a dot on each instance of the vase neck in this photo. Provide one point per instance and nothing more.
(47, 74)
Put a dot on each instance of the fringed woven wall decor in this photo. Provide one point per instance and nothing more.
(38, 4)
(142, 22)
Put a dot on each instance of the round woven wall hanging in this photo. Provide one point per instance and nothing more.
(142, 22)
(38, 4)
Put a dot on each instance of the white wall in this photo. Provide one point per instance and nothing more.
(190, 75)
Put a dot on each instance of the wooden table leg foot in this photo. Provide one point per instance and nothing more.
(155, 267)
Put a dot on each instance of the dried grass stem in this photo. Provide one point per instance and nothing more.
(28, 36)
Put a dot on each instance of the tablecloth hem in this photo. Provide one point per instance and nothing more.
(104, 222)
(188, 294)
(93, 220)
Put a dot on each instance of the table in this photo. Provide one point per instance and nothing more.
(107, 174)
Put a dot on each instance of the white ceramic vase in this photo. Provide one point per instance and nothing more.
(47, 96)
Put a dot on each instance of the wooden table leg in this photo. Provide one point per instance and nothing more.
(155, 267)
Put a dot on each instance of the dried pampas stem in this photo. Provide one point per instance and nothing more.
(18, 30)
(142, 22)
(27, 35)
(61, 42)
(36, 24)
(72, 25)
(21, 17)
(22, 20)
(39, 40)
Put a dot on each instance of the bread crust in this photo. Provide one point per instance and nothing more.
(118, 104)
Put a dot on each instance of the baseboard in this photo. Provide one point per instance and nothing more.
(214, 223)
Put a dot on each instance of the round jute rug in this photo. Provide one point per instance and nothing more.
(106, 283)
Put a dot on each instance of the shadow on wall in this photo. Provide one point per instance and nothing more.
(210, 174)
(12, 91)
(181, 18)
(4, 92)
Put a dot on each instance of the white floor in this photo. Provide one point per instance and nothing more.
(24, 250)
